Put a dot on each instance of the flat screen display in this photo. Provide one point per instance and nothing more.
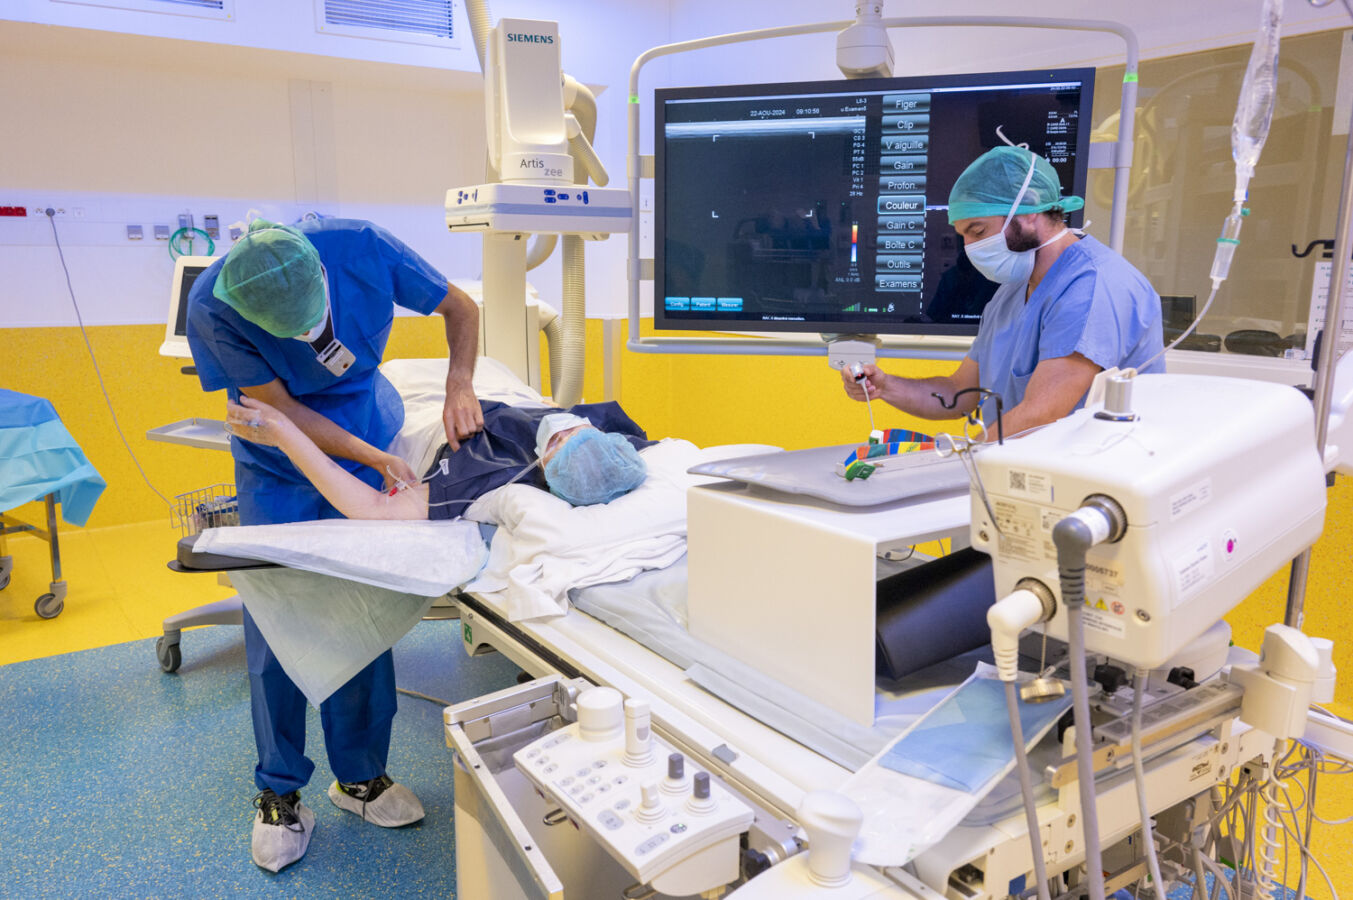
(190, 274)
(823, 206)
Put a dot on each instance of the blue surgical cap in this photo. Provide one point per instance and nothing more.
(988, 186)
(594, 467)
(273, 278)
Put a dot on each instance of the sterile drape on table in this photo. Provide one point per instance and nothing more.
(351, 589)
(38, 457)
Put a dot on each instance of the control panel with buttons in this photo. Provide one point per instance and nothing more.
(614, 779)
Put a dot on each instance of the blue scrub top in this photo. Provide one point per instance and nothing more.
(1092, 302)
(369, 270)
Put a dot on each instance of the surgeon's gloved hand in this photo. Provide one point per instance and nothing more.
(462, 413)
(256, 421)
(856, 390)
(594, 467)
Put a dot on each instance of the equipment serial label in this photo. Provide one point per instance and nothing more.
(1185, 502)
(1192, 570)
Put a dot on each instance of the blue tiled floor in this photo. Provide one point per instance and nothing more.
(118, 780)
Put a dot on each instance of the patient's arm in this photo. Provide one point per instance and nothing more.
(256, 421)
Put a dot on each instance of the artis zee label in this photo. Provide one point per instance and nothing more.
(1186, 501)
(1192, 570)
(1034, 485)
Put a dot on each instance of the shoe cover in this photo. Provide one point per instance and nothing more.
(395, 806)
(277, 846)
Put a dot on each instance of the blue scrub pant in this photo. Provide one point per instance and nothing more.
(356, 718)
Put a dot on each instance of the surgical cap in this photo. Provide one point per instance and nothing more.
(552, 425)
(594, 467)
(273, 278)
(988, 186)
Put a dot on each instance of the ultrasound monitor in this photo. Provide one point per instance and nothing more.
(823, 206)
(186, 270)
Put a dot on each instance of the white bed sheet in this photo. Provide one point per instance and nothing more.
(543, 545)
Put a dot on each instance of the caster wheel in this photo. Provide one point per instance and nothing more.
(169, 655)
(4, 581)
(49, 606)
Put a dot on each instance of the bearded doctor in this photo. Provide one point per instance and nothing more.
(1067, 306)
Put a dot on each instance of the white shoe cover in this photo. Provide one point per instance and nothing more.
(277, 846)
(395, 806)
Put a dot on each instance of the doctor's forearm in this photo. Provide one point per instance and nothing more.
(462, 334)
(916, 396)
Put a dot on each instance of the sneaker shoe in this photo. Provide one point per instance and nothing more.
(379, 801)
(282, 829)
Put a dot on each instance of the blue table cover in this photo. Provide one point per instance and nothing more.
(39, 457)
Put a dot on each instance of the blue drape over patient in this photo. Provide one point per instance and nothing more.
(495, 455)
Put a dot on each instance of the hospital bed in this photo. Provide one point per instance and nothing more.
(509, 837)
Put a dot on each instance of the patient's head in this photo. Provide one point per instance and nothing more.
(583, 465)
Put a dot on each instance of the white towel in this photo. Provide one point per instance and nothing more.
(544, 546)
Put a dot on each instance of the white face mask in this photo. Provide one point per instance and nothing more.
(993, 257)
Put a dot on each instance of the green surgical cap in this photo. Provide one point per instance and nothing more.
(273, 278)
(988, 186)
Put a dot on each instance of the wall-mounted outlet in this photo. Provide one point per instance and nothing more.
(161, 232)
(212, 226)
(135, 233)
(42, 210)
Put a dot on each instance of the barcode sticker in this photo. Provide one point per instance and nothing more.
(1034, 485)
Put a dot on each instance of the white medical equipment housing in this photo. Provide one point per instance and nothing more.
(186, 270)
(1221, 485)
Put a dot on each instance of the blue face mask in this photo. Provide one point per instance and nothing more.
(594, 467)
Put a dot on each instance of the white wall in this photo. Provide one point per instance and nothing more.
(133, 118)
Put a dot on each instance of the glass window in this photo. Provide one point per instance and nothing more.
(1183, 178)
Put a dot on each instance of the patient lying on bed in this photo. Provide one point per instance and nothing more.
(585, 455)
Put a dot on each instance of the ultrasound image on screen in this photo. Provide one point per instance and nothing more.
(823, 207)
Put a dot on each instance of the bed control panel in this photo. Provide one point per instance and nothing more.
(671, 828)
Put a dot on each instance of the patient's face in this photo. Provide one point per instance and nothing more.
(557, 441)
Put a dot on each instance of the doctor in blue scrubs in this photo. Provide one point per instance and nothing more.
(298, 317)
(1067, 306)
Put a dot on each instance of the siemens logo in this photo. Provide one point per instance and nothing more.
(531, 38)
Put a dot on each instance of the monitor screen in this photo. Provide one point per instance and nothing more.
(823, 206)
(186, 271)
(190, 274)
